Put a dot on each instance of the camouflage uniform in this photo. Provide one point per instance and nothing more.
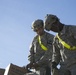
(41, 57)
(68, 57)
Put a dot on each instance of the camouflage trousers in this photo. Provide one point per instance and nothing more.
(64, 72)
(68, 70)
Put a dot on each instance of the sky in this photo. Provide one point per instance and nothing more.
(16, 17)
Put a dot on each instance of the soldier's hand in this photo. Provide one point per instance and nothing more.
(26, 69)
(54, 64)
(35, 65)
(30, 65)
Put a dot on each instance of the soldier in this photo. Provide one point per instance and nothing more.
(41, 49)
(64, 45)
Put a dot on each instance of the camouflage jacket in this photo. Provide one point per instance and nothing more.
(37, 54)
(62, 54)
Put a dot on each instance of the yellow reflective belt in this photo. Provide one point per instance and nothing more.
(65, 44)
(42, 46)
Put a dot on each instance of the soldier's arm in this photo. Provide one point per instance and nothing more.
(56, 52)
(48, 43)
(72, 31)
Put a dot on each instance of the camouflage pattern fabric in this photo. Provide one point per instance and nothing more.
(38, 55)
(68, 57)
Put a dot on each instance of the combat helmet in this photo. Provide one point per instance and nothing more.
(37, 24)
(49, 20)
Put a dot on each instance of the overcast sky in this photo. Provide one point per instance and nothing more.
(16, 17)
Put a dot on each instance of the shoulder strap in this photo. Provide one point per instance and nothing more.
(65, 44)
(42, 46)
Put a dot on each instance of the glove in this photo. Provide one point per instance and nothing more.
(30, 65)
(26, 69)
(54, 65)
(35, 65)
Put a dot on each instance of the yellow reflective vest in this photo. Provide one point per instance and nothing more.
(65, 44)
(42, 46)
